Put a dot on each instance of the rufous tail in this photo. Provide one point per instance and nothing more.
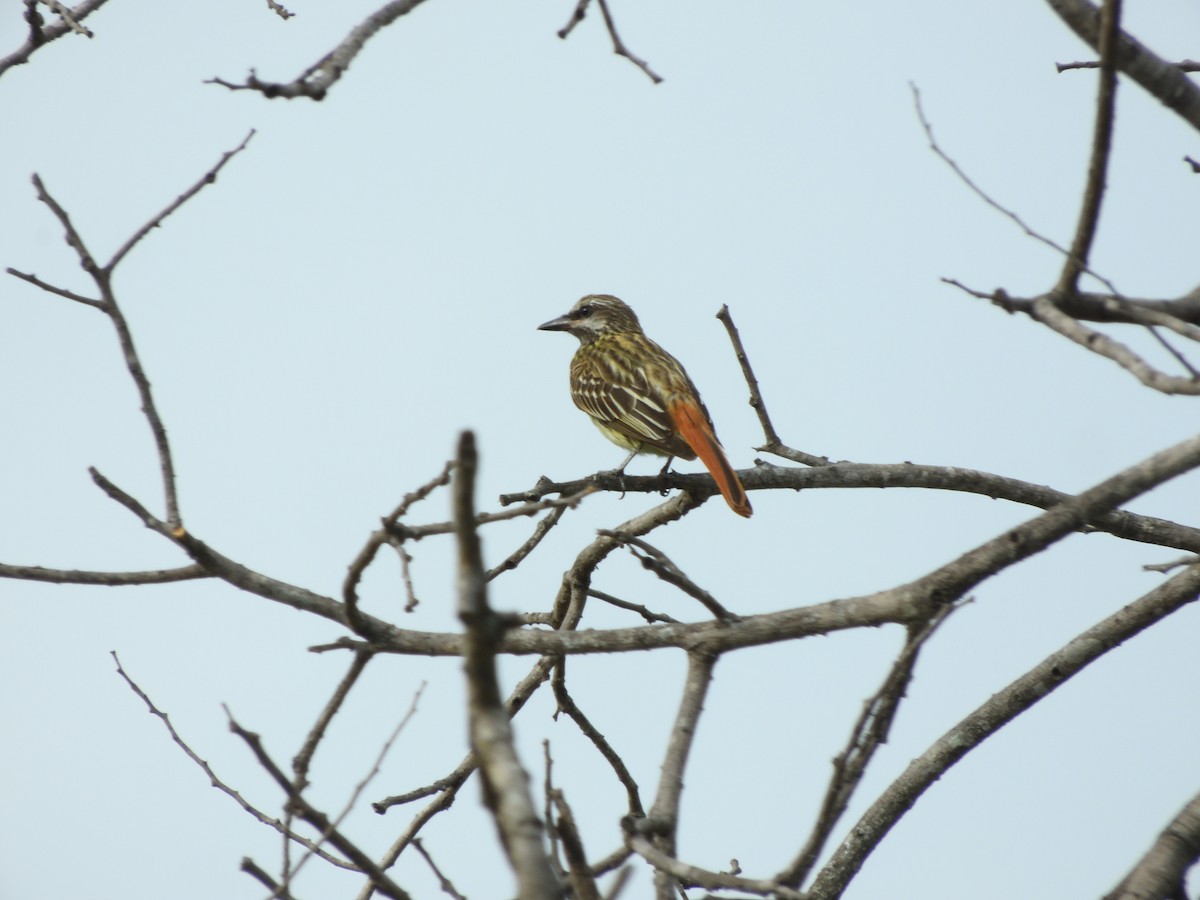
(691, 423)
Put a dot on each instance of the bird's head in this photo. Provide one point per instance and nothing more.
(594, 315)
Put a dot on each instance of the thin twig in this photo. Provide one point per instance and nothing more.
(566, 703)
(984, 196)
(548, 809)
(318, 820)
(577, 16)
(1165, 567)
(302, 760)
(583, 884)
(52, 289)
(1179, 357)
(217, 782)
(445, 883)
(619, 47)
(542, 529)
(410, 591)
(743, 358)
(209, 177)
(1089, 213)
(381, 536)
(618, 885)
(642, 611)
(662, 566)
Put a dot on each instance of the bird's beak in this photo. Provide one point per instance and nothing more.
(562, 323)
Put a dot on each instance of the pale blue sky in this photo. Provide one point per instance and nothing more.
(365, 280)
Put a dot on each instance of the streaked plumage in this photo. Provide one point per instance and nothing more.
(637, 394)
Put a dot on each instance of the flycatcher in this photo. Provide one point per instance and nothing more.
(638, 394)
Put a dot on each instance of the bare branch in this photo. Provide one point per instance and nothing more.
(229, 571)
(315, 81)
(756, 399)
(583, 884)
(953, 580)
(352, 800)
(250, 867)
(1162, 79)
(566, 703)
(41, 34)
(548, 791)
(569, 607)
(1181, 315)
(102, 276)
(663, 821)
(108, 579)
(870, 732)
(446, 885)
(985, 721)
(577, 16)
(542, 529)
(682, 873)
(1045, 311)
(619, 47)
(1062, 314)
(505, 782)
(384, 535)
(1185, 65)
(906, 603)
(303, 759)
(662, 566)
(1089, 213)
(632, 607)
(68, 17)
(1120, 524)
(280, 10)
(1165, 567)
(1163, 870)
(619, 882)
(73, 238)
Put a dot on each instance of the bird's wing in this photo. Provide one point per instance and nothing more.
(615, 391)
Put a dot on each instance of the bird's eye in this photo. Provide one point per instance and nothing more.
(585, 310)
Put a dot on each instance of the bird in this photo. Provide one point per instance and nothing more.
(639, 395)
